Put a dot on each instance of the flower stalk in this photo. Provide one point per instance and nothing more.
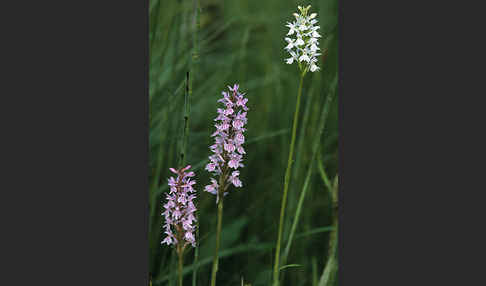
(179, 214)
(227, 154)
(286, 183)
(303, 50)
(218, 238)
(180, 254)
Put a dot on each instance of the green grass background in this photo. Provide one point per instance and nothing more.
(221, 43)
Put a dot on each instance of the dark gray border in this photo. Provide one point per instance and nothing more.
(79, 172)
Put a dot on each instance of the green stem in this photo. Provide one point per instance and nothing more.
(218, 235)
(181, 258)
(185, 131)
(314, 271)
(315, 148)
(196, 253)
(286, 183)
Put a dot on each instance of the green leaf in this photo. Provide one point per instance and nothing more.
(288, 266)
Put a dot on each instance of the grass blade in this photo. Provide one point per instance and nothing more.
(288, 266)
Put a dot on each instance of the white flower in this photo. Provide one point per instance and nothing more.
(304, 57)
(304, 44)
(291, 43)
(291, 30)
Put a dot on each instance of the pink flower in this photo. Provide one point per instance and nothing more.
(213, 188)
(234, 162)
(228, 111)
(167, 240)
(234, 179)
(240, 138)
(179, 208)
(237, 124)
(229, 147)
(228, 150)
(210, 167)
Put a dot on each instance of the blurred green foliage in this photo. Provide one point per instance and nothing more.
(221, 43)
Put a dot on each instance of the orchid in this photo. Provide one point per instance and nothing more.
(179, 210)
(228, 147)
(304, 48)
(227, 154)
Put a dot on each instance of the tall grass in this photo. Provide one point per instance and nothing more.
(220, 43)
